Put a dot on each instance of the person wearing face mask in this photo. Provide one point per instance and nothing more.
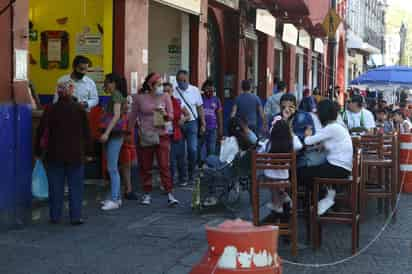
(214, 119)
(192, 100)
(113, 139)
(153, 138)
(85, 90)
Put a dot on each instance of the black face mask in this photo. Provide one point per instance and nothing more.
(78, 75)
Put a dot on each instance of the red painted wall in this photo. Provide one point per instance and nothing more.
(5, 53)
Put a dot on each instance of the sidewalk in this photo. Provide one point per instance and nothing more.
(158, 239)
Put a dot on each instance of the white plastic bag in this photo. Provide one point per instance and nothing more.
(228, 150)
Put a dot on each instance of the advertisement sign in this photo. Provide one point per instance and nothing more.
(318, 47)
(265, 22)
(290, 34)
(304, 39)
(190, 6)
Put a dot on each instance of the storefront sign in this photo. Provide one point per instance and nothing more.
(290, 34)
(21, 58)
(318, 47)
(190, 6)
(265, 22)
(234, 4)
(304, 39)
(89, 44)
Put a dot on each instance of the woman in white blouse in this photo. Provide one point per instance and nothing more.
(339, 152)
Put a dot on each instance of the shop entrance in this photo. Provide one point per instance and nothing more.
(60, 30)
(169, 40)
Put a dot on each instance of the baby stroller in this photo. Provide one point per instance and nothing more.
(223, 183)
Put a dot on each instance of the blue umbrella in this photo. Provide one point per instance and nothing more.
(392, 75)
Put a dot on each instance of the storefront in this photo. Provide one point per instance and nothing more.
(169, 36)
(251, 57)
(61, 30)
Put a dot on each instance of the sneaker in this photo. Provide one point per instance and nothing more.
(326, 202)
(276, 208)
(131, 196)
(120, 202)
(210, 201)
(172, 201)
(110, 205)
(146, 199)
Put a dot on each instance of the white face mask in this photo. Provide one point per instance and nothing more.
(159, 90)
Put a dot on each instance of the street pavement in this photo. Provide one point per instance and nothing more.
(158, 239)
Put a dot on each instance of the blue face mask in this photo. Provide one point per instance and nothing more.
(183, 85)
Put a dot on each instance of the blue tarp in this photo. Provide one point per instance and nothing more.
(392, 75)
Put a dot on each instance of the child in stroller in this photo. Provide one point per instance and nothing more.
(229, 172)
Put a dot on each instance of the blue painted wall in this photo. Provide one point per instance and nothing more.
(16, 165)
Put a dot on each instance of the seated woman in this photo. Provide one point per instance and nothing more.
(402, 122)
(281, 141)
(339, 152)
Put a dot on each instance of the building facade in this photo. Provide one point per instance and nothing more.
(366, 36)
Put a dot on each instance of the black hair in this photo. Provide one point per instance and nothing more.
(120, 82)
(167, 84)
(399, 112)
(327, 112)
(246, 85)
(145, 87)
(80, 60)
(182, 72)
(281, 85)
(207, 83)
(236, 128)
(358, 99)
(281, 140)
(382, 110)
(288, 97)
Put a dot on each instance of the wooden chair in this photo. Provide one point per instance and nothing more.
(386, 186)
(278, 161)
(347, 216)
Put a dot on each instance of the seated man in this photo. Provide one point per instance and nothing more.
(357, 118)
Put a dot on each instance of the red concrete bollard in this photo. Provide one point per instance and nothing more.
(240, 247)
(405, 158)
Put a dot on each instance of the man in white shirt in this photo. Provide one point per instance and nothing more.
(358, 118)
(192, 100)
(85, 90)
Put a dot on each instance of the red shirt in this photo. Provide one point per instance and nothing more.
(177, 114)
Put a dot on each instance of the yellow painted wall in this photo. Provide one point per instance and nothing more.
(81, 14)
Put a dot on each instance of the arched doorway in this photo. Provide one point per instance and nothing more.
(214, 66)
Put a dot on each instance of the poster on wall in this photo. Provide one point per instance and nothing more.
(54, 50)
(97, 75)
(88, 44)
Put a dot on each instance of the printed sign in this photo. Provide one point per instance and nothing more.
(304, 39)
(290, 34)
(331, 23)
(89, 44)
(265, 22)
(190, 6)
(21, 57)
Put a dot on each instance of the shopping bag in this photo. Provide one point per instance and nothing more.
(228, 150)
(40, 185)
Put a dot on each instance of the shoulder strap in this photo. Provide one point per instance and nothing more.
(186, 103)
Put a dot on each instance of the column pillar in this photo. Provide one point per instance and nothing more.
(266, 65)
(198, 46)
(131, 38)
(290, 68)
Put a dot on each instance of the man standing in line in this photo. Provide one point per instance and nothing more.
(85, 90)
(248, 105)
(191, 99)
(272, 106)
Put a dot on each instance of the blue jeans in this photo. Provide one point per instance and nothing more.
(178, 160)
(113, 150)
(190, 133)
(57, 174)
(209, 139)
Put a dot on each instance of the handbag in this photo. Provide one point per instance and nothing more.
(39, 185)
(119, 127)
(148, 138)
